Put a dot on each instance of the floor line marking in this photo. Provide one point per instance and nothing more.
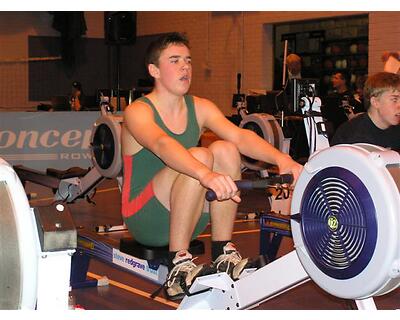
(135, 291)
(207, 235)
(108, 189)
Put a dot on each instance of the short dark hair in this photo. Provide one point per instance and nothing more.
(378, 83)
(156, 47)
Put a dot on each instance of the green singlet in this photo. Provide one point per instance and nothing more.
(146, 218)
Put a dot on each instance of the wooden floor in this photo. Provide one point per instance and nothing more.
(129, 292)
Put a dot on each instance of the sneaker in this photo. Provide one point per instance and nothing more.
(230, 262)
(183, 274)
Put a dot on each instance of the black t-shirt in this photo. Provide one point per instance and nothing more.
(333, 108)
(361, 129)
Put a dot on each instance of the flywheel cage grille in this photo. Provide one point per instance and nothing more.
(339, 224)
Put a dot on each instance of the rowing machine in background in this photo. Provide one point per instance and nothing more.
(263, 124)
(266, 126)
(345, 219)
(314, 124)
(77, 183)
(306, 108)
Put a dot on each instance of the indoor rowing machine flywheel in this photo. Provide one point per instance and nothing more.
(346, 220)
(265, 126)
(106, 145)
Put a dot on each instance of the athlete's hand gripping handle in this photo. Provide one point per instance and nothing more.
(256, 184)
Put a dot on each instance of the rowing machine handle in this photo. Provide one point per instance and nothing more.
(255, 184)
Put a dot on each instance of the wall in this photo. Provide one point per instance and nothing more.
(223, 44)
(384, 34)
(15, 28)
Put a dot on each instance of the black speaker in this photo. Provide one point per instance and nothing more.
(120, 27)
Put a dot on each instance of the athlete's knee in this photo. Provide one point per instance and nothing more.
(204, 155)
(225, 152)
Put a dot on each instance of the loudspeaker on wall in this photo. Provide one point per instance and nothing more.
(120, 27)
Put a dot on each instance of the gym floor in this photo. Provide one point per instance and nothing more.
(129, 292)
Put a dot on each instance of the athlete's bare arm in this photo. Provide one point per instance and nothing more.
(247, 141)
(139, 121)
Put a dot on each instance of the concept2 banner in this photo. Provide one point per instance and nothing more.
(41, 140)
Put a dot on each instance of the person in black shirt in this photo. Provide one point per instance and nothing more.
(340, 105)
(380, 125)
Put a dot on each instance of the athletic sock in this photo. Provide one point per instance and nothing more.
(217, 248)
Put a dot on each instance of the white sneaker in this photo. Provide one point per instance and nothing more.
(230, 262)
(181, 277)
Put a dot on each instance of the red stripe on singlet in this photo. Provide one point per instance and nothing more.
(130, 207)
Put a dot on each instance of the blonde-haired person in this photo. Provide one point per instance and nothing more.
(380, 125)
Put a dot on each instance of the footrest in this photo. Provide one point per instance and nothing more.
(131, 247)
(74, 172)
(272, 229)
(275, 224)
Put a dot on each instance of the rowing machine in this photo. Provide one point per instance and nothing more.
(266, 126)
(75, 183)
(345, 226)
(37, 245)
